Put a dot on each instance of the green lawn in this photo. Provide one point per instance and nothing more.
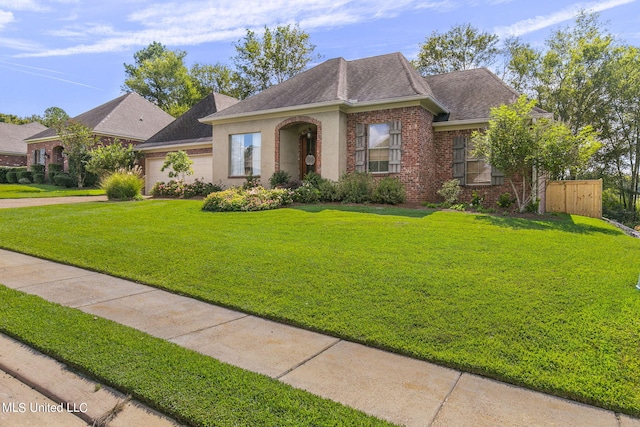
(193, 388)
(549, 304)
(26, 191)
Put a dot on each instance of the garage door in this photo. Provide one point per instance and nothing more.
(202, 168)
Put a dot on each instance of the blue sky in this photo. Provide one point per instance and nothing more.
(70, 53)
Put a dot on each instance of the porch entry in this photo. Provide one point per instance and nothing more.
(308, 152)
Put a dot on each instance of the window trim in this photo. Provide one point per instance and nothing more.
(387, 148)
(253, 160)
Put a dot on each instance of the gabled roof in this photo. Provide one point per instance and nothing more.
(128, 116)
(186, 128)
(12, 137)
(470, 94)
(337, 81)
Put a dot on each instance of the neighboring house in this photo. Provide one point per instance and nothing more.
(129, 118)
(186, 133)
(376, 115)
(13, 149)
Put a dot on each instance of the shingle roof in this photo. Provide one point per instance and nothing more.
(128, 116)
(12, 136)
(377, 78)
(187, 128)
(470, 94)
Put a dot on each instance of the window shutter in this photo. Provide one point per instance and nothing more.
(459, 145)
(497, 177)
(361, 148)
(395, 146)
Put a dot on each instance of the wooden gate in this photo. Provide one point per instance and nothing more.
(575, 197)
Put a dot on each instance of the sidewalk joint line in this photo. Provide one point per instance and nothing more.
(115, 299)
(313, 356)
(209, 327)
(455, 384)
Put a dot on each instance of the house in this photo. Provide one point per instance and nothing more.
(13, 149)
(129, 118)
(186, 133)
(376, 115)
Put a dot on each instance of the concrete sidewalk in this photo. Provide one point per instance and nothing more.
(392, 387)
(42, 201)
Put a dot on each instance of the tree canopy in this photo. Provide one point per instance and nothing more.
(461, 48)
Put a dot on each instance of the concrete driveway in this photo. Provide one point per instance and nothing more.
(22, 203)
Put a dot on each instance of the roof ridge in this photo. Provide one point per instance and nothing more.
(502, 82)
(410, 76)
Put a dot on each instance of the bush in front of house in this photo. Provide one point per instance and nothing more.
(184, 190)
(37, 169)
(306, 193)
(450, 191)
(356, 187)
(12, 177)
(25, 176)
(389, 190)
(252, 199)
(3, 175)
(38, 178)
(24, 181)
(64, 180)
(280, 178)
(123, 184)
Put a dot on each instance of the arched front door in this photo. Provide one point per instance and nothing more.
(308, 153)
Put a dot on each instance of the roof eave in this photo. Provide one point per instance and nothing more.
(175, 144)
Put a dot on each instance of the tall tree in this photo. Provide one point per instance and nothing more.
(218, 78)
(161, 76)
(54, 117)
(77, 141)
(273, 58)
(461, 48)
(518, 145)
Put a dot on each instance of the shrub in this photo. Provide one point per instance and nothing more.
(355, 187)
(24, 181)
(12, 177)
(240, 199)
(64, 180)
(37, 169)
(505, 200)
(25, 175)
(123, 184)
(55, 167)
(181, 189)
(52, 176)
(389, 190)
(306, 193)
(251, 182)
(3, 175)
(328, 191)
(313, 178)
(532, 206)
(38, 178)
(279, 178)
(450, 191)
(476, 200)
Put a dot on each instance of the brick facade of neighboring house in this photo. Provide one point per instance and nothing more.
(13, 160)
(13, 148)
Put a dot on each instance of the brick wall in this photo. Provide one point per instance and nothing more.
(444, 171)
(14, 161)
(418, 154)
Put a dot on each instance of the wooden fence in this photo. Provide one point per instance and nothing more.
(575, 197)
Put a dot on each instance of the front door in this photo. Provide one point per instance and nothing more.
(308, 155)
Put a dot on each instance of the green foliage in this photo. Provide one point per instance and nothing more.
(184, 190)
(278, 55)
(389, 190)
(505, 200)
(313, 178)
(476, 200)
(179, 163)
(252, 199)
(28, 175)
(306, 193)
(35, 168)
(532, 206)
(251, 182)
(38, 178)
(54, 167)
(24, 181)
(219, 78)
(279, 178)
(105, 159)
(328, 191)
(463, 47)
(3, 175)
(450, 191)
(355, 187)
(125, 184)
(64, 180)
(12, 177)
(77, 140)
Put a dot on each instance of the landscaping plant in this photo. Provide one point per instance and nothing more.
(123, 184)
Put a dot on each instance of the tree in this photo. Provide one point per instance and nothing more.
(179, 162)
(518, 146)
(218, 78)
(105, 159)
(54, 116)
(461, 48)
(160, 76)
(77, 140)
(278, 55)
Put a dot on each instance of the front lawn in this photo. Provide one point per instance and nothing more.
(26, 191)
(194, 389)
(549, 304)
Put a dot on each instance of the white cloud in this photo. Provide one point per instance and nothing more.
(539, 22)
(23, 5)
(5, 18)
(187, 23)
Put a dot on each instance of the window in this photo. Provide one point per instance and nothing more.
(471, 170)
(379, 147)
(39, 156)
(478, 171)
(244, 154)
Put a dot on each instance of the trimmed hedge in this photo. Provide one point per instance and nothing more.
(64, 180)
(12, 177)
(25, 175)
(38, 178)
